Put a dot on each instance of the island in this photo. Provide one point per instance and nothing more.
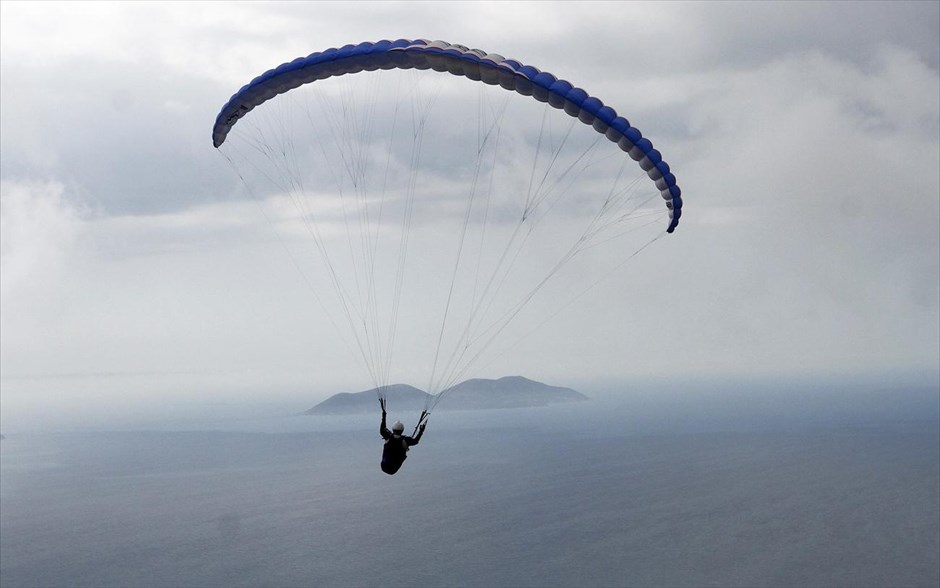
(475, 394)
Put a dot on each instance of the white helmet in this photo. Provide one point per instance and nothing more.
(398, 428)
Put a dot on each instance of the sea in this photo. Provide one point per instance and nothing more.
(828, 488)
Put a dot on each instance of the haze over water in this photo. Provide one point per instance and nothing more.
(663, 490)
(168, 307)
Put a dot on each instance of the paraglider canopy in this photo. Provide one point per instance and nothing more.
(477, 65)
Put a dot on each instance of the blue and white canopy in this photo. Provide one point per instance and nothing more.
(477, 65)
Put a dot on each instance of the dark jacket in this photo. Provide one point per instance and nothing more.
(396, 447)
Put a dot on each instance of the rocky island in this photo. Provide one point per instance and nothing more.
(476, 394)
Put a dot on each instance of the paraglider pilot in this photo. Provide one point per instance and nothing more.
(396, 444)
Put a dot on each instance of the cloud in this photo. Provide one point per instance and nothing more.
(158, 79)
(38, 226)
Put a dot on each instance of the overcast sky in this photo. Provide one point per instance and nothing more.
(806, 139)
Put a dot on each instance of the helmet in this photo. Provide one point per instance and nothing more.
(398, 427)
